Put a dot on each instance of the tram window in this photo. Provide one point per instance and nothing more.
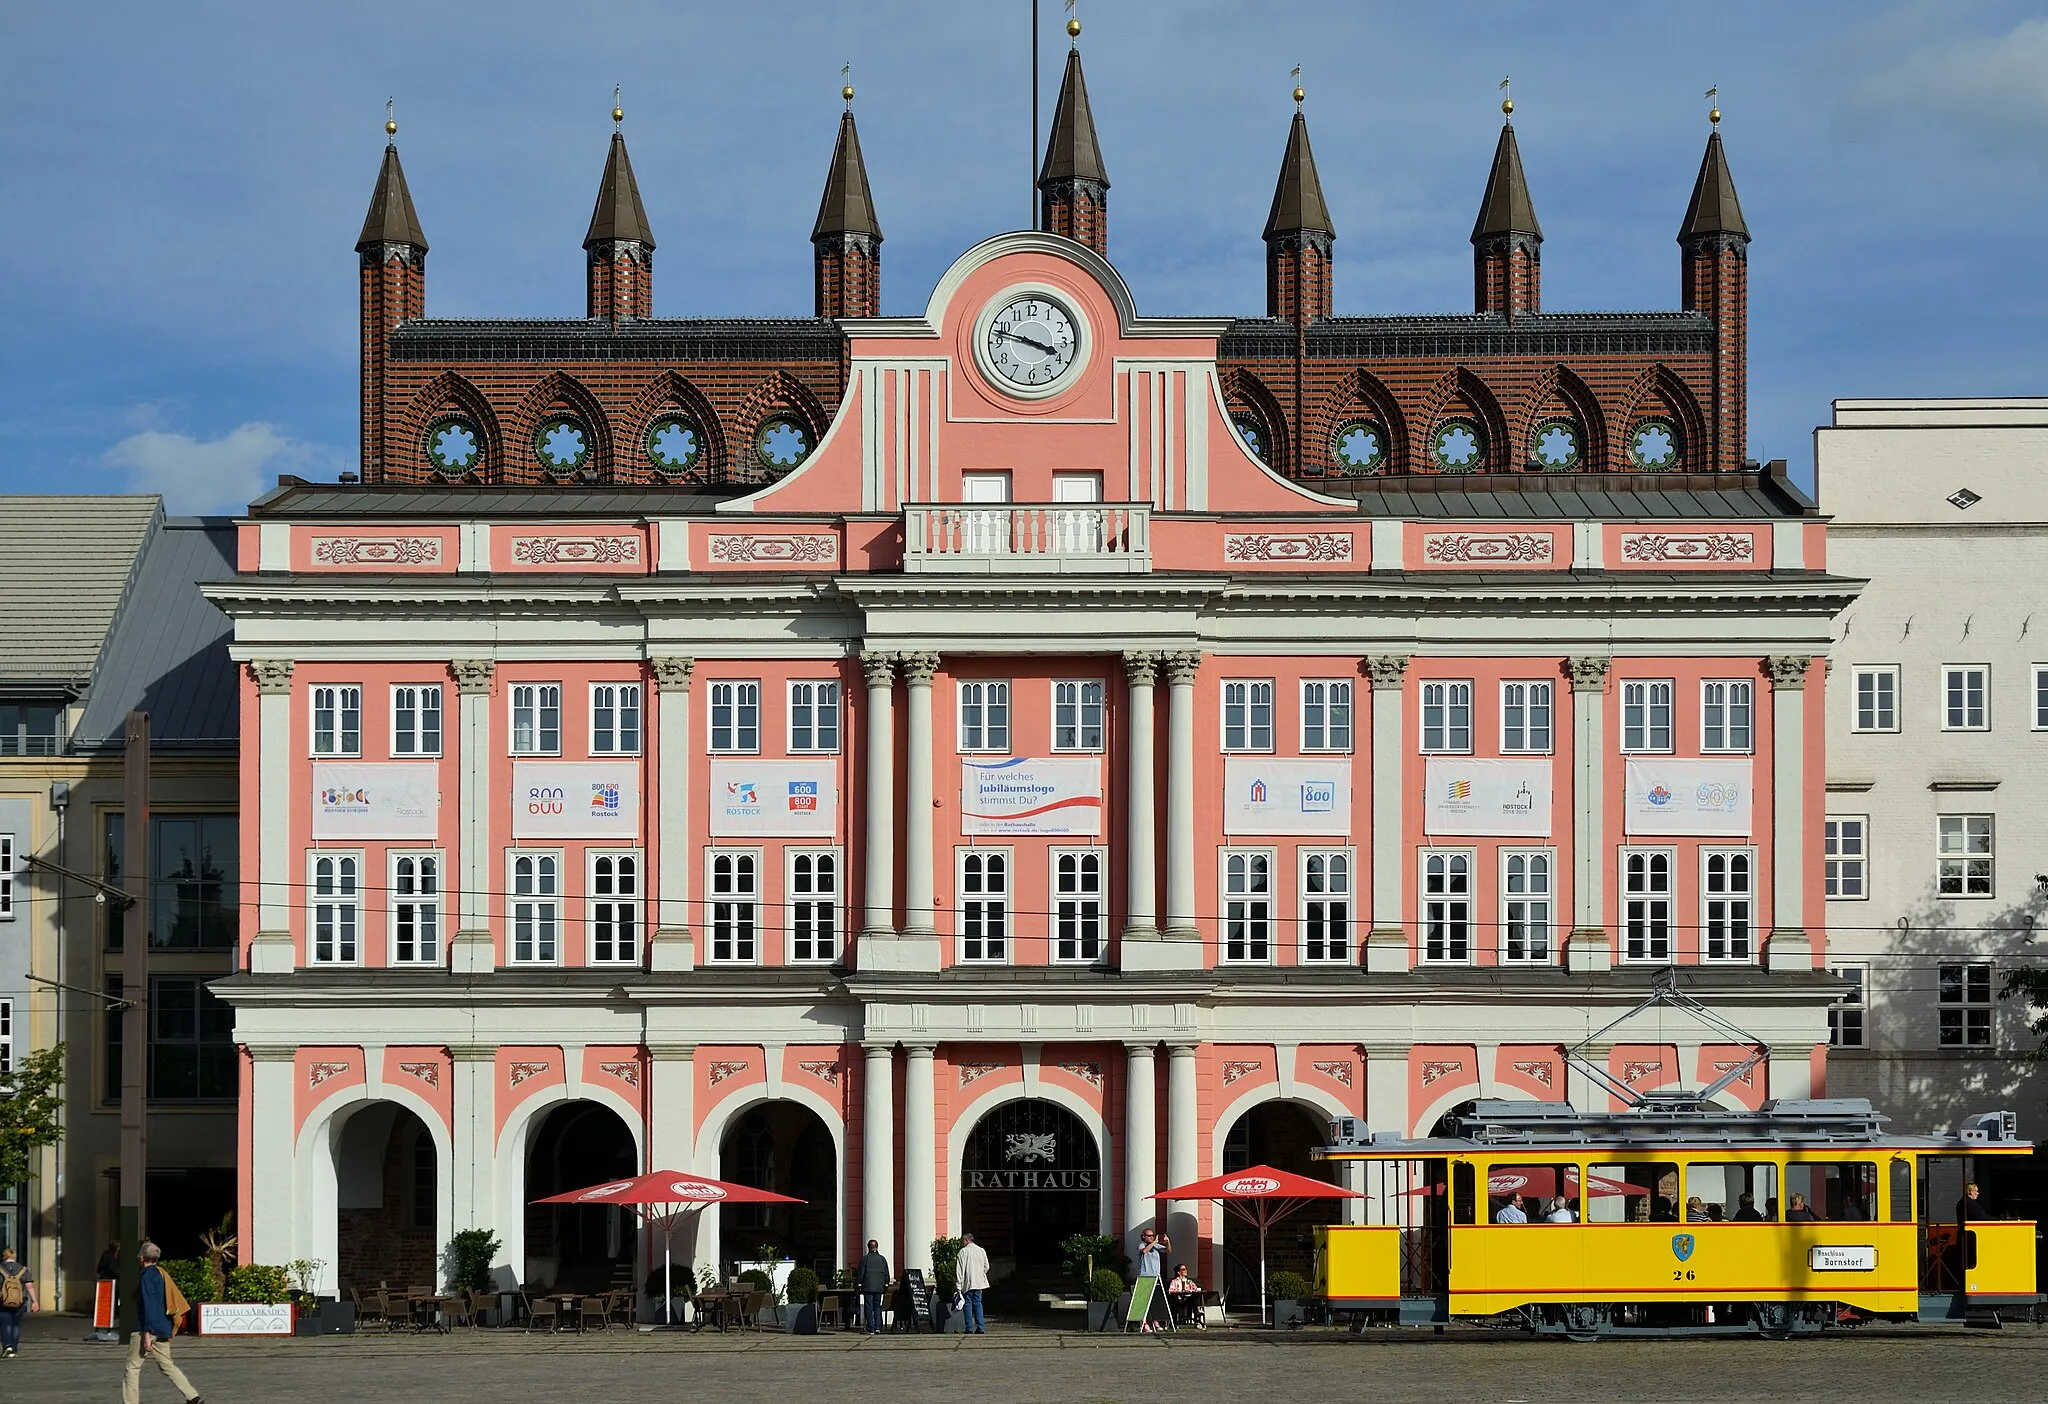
(1548, 1193)
(1464, 1194)
(1835, 1190)
(1736, 1191)
(1902, 1190)
(1640, 1193)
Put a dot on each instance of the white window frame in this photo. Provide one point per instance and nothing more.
(616, 900)
(1089, 695)
(1328, 902)
(813, 901)
(732, 696)
(2040, 677)
(1242, 700)
(971, 868)
(1951, 674)
(6, 1035)
(1845, 857)
(333, 738)
(412, 738)
(1521, 701)
(1446, 723)
(816, 701)
(985, 698)
(1957, 863)
(1075, 904)
(336, 907)
(1728, 912)
(540, 908)
(1975, 1024)
(533, 698)
(1528, 913)
(1856, 1001)
(1330, 700)
(1640, 727)
(419, 899)
(1720, 734)
(1649, 907)
(627, 732)
(737, 908)
(6, 877)
(1248, 911)
(1448, 907)
(1882, 714)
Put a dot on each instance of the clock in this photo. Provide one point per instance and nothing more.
(1030, 343)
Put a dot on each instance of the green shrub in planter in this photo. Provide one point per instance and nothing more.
(1106, 1286)
(803, 1286)
(258, 1282)
(760, 1281)
(1289, 1287)
(194, 1277)
(473, 1250)
(1105, 1248)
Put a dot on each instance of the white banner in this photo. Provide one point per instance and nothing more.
(1032, 795)
(377, 801)
(1510, 798)
(1262, 796)
(1688, 797)
(774, 799)
(551, 799)
(245, 1319)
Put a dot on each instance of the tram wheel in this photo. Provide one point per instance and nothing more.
(1584, 1321)
(1773, 1319)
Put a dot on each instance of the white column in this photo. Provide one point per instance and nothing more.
(673, 947)
(1788, 947)
(1588, 948)
(1180, 795)
(1386, 1090)
(671, 1142)
(920, 1157)
(1141, 920)
(471, 951)
(920, 917)
(878, 1149)
(1141, 1142)
(472, 1176)
(880, 838)
(1386, 944)
(272, 952)
(1182, 1132)
(273, 1187)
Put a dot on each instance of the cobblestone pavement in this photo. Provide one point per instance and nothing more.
(1463, 1366)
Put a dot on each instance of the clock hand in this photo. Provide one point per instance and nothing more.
(1037, 345)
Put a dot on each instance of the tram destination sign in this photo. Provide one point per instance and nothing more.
(1836, 1258)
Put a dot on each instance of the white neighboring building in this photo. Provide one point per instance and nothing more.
(1937, 750)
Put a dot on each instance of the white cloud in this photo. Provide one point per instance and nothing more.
(1988, 86)
(213, 475)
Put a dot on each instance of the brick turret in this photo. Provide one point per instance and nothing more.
(1714, 241)
(619, 246)
(1298, 236)
(1507, 263)
(847, 238)
(1073, 187)
(393, 254)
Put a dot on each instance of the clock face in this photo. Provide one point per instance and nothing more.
(1031, 342)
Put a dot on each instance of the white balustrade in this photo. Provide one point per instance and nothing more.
(1029, 538)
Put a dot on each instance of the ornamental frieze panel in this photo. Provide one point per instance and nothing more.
(1236, 1071)
(318, 1073)
(1287, 548)
(1090, 1073)
(628, 1073)
(755, 549)
(1437, 1069)
(1484, 548)
(719, 1072)
(1336, 1072)
(525, 1072)
(825, 1072)
(1536, 1071)
(1688, 547)
(429, 1073)
(576, 550)
(974, 1072)
(377, 551)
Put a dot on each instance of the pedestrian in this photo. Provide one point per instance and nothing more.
(153, 1331)
(971, 1272)
(872, 1278)
(17, 1299)
(110, 1263)
(1152, 1250)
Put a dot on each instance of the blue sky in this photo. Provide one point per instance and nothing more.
(183, 183)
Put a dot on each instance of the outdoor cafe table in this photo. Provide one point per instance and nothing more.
(566, 1304)
(722, 1309)
(430, 1313)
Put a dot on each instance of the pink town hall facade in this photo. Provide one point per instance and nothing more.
(1029, 800)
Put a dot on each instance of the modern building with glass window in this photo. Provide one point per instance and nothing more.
(975, 767)
(1935, 838)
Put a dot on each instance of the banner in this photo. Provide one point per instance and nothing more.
(1688, 797)
(377, 801)
(245, 1319)
(774, 799)
(1032, 795)
(553, 800)
(1509, 798)
(1265, 796)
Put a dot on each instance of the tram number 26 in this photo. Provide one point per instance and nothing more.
(543, 800)
(1681, 1274)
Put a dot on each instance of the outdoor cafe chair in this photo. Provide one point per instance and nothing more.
(591, 1312)
(540, 1311)
(620, 1306)
(368, 1309)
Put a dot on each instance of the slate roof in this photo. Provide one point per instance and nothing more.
(391, 219)
(167, 653)
(618, 213)
(848, 206)
(1714, 208)
(431, 500)
(1474, 336)
(1071, 150)
(68, 560)
(1505, 208)
(1566, 496)
(1298, 194)
(600, 339)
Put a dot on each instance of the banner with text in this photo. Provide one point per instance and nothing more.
(1032, 795)
(774, 799)
(553, 799)
(1689, 797)
(377, 801)
(1263, 796)
(1508, 798)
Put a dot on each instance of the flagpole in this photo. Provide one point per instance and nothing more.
(1033, 183)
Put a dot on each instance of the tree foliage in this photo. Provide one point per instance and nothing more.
(29, 1105)
(2030, 983)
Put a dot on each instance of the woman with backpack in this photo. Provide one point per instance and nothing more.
(17, 1298)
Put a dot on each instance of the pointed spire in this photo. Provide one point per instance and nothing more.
(1298, 197)
(1714, 208)
(618, 214)
(848, 207)
(391, 219)
(1072, 152)
(1505, 208)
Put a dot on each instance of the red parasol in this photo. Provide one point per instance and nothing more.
(664, 1197)
(1261, 1196)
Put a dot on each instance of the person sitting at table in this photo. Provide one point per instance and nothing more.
(1184, 1295)
(1514, 1211)
(1559, 1211)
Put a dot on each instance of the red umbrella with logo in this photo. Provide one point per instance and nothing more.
(664, 1197)
(1261, 1196)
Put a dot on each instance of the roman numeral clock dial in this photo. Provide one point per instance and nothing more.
(1031, 343)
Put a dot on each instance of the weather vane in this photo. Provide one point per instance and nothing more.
(1507, 98)
(618, 112)
(390, 121)
(1714, 105)
(846, 83)
(1299, 91)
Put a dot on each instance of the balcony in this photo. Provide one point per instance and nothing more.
(1028, 538)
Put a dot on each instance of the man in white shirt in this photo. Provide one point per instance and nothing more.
(971, 1272)
(1512, 1212)
(1560, 1212)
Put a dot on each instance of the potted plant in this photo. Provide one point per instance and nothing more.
(304, 1274)
(768, 1261)
(946, 1285)
(758, 1279)
(195, 1280)
(264, 1282)
(1287, 1291)
(802, 1317)
(470, 1255)
(1105, 1290)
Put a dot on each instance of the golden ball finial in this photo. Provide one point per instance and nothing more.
(847, 92)
(1300, 93)
(618, 114)
(1714, 116)
(1073, 29)
(1507, 107)
(390, 127)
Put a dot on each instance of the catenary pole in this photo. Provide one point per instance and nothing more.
(1032, 185)
(134, 1016)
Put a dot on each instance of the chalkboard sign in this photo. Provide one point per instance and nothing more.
(914, 1302)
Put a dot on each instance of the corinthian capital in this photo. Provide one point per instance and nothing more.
(920, 668)
(472, 675)
(1788, 671)
(1387, 671)
(1141, 669)
(1181, 667)
(878, 668)
(672, 671)
(272, 675)
(1588, 674)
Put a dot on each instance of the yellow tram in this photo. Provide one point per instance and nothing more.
(1674, 1217)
